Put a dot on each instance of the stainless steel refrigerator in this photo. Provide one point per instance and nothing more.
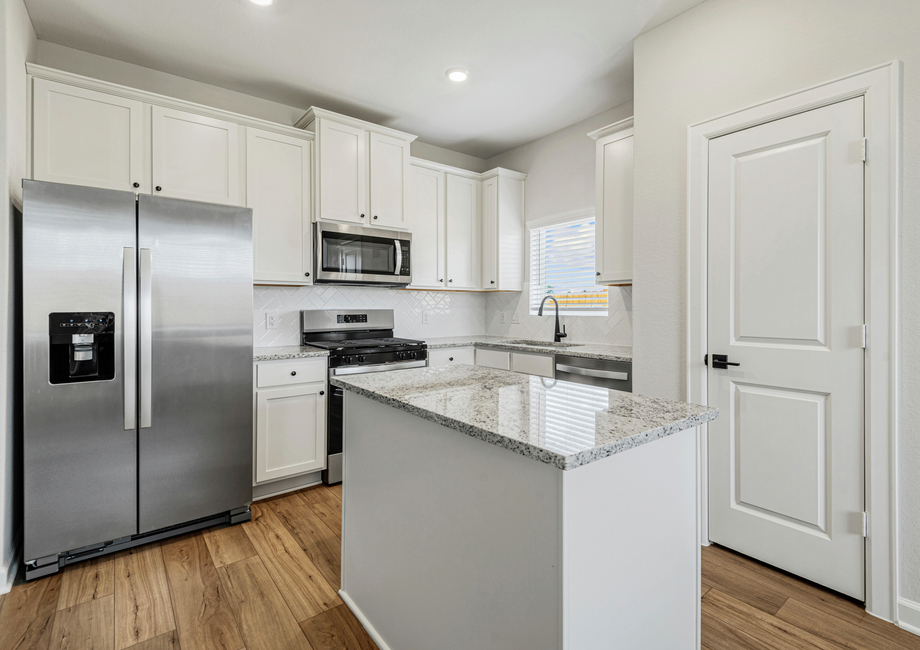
(137, 370)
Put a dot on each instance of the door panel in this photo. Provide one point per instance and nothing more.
(426, 210)
(489, 233)
(290, 431)
(389, 171)
(195, 458)
(786, 302)
(79, 460)
(462, 233)
(195, 157)
(342, 173)
(85, 137)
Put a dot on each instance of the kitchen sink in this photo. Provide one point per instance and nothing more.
(543, 344)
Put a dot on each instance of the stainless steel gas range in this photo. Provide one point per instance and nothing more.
(358, 341)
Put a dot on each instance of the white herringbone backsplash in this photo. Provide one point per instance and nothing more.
(450, 313)
(614, 329)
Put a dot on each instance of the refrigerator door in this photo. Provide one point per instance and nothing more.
(79, 440)
(195, 360)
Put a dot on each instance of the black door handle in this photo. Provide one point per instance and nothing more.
(720, 361)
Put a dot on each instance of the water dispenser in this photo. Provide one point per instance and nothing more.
(82, 347)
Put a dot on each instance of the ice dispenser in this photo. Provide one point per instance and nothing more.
(82, 347)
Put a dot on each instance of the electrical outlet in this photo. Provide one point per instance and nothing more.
(426, 317)
(271, 320)
(515, 317)
(503, 317)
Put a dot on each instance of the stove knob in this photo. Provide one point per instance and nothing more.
(400, 355)
(346, 360)
(412, 355)
(362, 359)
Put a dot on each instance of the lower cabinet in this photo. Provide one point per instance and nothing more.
(290, 429)
(451, 356)
(542, 365)
(493, 359)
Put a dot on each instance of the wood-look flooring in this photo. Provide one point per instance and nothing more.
(273, 583)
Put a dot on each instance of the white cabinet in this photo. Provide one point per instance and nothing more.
(427, 219)
(290, 427)
(278, 191)
(542, 365)
(614, 203)
(85, 137)
(361, 170)
(462, 232)
(493, 358)
(441, 358)
(195, 157)
(502, 230)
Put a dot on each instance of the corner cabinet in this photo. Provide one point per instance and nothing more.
(278, 191)
(614, 203)
(361, 170)
(502, 230)
(290, 418)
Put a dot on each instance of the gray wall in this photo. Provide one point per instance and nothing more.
(725, 55)
(19, 46)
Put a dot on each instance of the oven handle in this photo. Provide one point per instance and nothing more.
(398, 268)
(360, 370)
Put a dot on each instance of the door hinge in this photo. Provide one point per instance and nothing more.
(865, 149)
(865, 524)
(865, 336)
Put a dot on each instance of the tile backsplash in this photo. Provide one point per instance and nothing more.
(449, 313)
(614, 329)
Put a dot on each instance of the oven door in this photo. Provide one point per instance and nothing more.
(356, 255)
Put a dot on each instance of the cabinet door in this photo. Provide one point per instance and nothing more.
(509, 258)
(451, 357)
(342, 172)
(290, 431)
(195, 158)
(427, 220)
(84, 137)
(490, 234)
(493, 359)
(614, 220)
(462, 233)
(278, 191)
(389, 171)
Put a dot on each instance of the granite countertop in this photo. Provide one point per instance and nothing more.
(589, 350)
(556, 422)
(287, 352)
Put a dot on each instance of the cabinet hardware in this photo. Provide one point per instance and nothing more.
(493, 281)
(375, 216)
(159, 189)
(322, 392)
(450, 358)
(597, 273)
(362, 216)
(137, 184)
(293, 373)
(441, 280)
(306, 275)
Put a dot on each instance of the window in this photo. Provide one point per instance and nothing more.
(562, 266)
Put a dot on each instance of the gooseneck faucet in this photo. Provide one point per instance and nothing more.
(560, 334)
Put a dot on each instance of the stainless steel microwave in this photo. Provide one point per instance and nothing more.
(361, 256)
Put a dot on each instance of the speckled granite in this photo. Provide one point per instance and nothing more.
(556, 422)
(287, 352)
(589, 350)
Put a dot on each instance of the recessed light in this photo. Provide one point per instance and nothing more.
(262, 3)
(457, 74)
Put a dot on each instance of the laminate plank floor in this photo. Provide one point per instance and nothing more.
(273, 583)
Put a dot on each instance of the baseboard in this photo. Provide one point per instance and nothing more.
(10, 568)
(909, 615)
(360, 616)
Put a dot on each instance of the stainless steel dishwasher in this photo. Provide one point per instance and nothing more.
(616, 375)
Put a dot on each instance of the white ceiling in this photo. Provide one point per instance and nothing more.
(536, 66)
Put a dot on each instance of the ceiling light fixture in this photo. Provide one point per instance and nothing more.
(262, 3)
(457, 74)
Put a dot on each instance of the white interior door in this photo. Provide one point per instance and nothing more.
(785, 303)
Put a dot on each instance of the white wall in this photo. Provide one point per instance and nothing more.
(19, 46)
(725, 55)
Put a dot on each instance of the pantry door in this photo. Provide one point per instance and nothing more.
(786, 306)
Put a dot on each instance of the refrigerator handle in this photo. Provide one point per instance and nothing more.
(144, 305)
(129, 336)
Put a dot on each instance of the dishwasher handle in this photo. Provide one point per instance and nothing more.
(591, 372)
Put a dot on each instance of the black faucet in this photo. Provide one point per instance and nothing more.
(560, 334)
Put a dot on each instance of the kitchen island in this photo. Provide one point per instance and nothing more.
(492, 510)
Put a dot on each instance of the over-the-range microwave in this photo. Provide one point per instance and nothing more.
(361, 256)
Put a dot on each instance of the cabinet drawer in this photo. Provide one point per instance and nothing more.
(493, 359)
(450, 357)
(533, 364)
(283, 373)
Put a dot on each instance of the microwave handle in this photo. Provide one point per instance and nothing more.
(398, 268)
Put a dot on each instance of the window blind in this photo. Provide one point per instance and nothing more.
(562, 266)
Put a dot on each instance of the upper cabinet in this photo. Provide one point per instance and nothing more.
(614, 203)
(84, 137)
(462, 232)
(361, 171)
(502, 230)
(278, 191)
(427, 219)
(195, 157)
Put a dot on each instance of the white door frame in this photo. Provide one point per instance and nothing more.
(881, 88)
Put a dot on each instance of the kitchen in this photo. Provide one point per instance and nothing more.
(277, 159)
